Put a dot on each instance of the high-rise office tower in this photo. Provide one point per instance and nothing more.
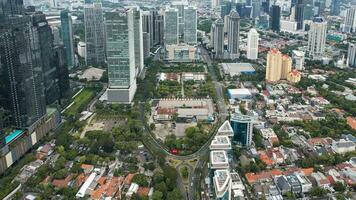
(171, 26)
(190, 25)
(94, 34)
(137, 20)
(158, 28)
(180, 5)
(286, 66)
(48, 62)
(233, 35)
(242, 126)
(256, 8)
(226, 7)
(146, 45)
(308, 12)
(67, 37)
(317, 38)
(10, 8)
(120, 49)
(351, 55)
(299, 14)
(252, 44)
(219, 38)
(62, 70)
(22, 89)
(147, 24)
(274, 65)
(276, 18)
(335, 7)
(265, 6)
(350, 20)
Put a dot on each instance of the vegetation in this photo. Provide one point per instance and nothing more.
(169, 88)
(183, 68)
(194, 138)
(326, 160)
(185, 172)
(205, 25)
(140, 179)
(81, 101)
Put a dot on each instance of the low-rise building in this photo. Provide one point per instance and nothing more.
(220, 143)
(236, 69)
(343, 146)
(182, 53)
(219, 160)
(305, 183)
(222, 184)
(240, 94)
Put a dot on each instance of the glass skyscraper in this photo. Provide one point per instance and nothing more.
(171, 26)
(242, 126)
(120, 51)
(67, 37)
(276, 18)
(190, 25)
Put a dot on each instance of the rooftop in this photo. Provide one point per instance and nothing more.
(218, 157)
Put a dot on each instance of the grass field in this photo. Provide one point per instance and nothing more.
(80, 101)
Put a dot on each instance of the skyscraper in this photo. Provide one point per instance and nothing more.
(276, 18)
(256, 8)
(335, 7)
(120, 44)
(10, 8)
(308, 12)
(317, 38)
(252, 44)
(351, 55)
(242, 126)
(219, 38)
(158, 28)
(94, 34)
(171, 26)
(137, 24)
(146, 45)
(265, 6)
(147, 24)
(190, 25)
(180, 5)
(67, 37)
(48, 62)
(22, 89)
(350, 20)
(274, 65)
(299, 14)
(233, 35)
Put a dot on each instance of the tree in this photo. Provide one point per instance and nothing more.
(318, 191)
(157, 195)
(140, 179)
(175, 194)
(339, 187)
(184, 171)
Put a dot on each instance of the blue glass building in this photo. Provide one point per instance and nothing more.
(242, 126)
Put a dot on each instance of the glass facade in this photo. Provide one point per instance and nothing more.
(242, 126)
(171, 26)
(67, 36)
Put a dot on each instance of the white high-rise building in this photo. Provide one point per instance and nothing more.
(351, 55)
(252, 44)
(218, 38)
(298, 59)
(233, 35)
(171, 26)
(190, 25)
(215, 4)
(94, 34)
(350, 20)
(317, 38)
(120, 44)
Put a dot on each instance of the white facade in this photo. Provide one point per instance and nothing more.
(351, 55)
(252, 44)
(298, 59)
(288, 26)
(222, 184)
(220, 143)
(350, 20)
(219, 160)
(317, 38)
(81, 49)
